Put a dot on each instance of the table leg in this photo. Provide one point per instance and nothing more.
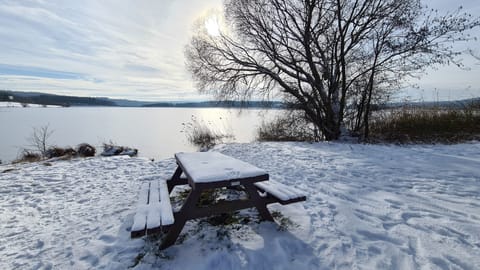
(259, 202)
(176, 180)
(181, 218)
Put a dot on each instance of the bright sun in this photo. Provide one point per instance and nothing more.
(211, 24)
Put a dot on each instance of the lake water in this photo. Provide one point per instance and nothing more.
(155, 132)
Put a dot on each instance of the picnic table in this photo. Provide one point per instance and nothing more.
(205, 171)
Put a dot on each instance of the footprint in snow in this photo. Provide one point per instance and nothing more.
(107, 238)
(408, 215)
(83, 201)
(39, 244)
(389, 225)
(90, 258)
(110, 167)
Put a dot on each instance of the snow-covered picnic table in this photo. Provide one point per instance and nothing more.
(206, 171)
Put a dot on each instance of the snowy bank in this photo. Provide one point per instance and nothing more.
(23, 105)
(368, 207)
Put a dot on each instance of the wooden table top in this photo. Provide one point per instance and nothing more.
(211, 167)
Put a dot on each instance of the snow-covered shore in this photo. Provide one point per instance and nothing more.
(20, 105)
(368, 207)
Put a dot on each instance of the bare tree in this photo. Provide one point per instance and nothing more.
(330, 58)
(39, 139)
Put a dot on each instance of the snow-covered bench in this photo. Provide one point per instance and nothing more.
(154, 209)
(280, 193)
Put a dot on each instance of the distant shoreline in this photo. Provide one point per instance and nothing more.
(38, 99)
(43, 99)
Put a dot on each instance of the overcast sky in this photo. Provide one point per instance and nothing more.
(134, 49)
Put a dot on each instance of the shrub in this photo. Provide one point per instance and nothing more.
(86, 150)
(288, 127)
(473, 105)
(410, 125)
(55, 151)
(39, 139)
(204, 135)
(28, 156)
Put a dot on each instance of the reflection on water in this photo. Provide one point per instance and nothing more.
(156, 132)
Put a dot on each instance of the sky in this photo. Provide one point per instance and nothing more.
(135, 50)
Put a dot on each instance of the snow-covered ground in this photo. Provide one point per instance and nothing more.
(19, 105)
(368, 207)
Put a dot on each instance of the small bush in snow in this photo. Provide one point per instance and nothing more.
(204, 135)
(28, 156)
(39, 139)
(288, 127)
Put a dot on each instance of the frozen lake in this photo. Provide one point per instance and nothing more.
(155, 132)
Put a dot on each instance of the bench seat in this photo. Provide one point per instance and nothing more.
(154, 209)
(282, 193)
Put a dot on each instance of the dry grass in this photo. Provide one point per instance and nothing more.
(204, 135)
(28, 156)
(436, 125)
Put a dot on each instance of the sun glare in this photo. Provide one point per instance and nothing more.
(211, 24)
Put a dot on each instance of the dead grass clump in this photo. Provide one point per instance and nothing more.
(204, 135)
(28, 156)
(427, 126)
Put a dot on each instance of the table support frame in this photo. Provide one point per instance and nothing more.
(191, 210)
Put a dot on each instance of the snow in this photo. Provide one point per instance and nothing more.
(368, 207)
(206, 167)
(19, 105)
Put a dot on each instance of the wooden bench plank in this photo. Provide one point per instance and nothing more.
(165, 205)
(153, 214)
(283, 193)
(154, 209)
(140, 218)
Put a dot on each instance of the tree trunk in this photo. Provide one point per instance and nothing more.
(330, 128)
(371, 81)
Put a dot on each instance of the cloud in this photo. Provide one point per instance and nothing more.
(108, 48)
(38, 72)
(134, 49)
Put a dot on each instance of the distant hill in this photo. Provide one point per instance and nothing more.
(49, 99)
(67, 101)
